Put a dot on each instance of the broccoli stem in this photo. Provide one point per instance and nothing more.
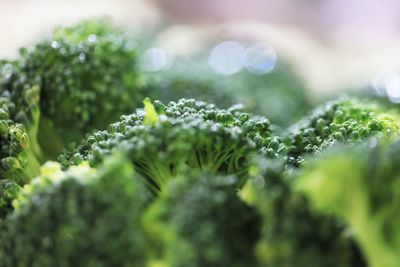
(369, 230)
(371, 239)
(33, 168)
(49, 140)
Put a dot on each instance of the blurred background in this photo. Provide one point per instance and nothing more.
(330, 45)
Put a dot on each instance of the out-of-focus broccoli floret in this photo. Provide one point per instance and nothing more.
(293, 235)
(188, 80)
(87, 77)
(360, 185)
(346, 120)
(199, 221)
(80, 217)
(183, 134)
(279, 94)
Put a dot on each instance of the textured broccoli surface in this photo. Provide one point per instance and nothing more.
(361, 186)
(348, 120)
(80, 217)
(294, 235)
(164, 139)
(199, 221)
(8, 192)
(17, 157)
(81, 72)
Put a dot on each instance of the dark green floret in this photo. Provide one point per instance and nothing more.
(80, 217)
(199, 221)
(87, 78)
(8, 192)
(17, 160)
(164, 139)
(360, 185)
(294, 235)
(350, 120)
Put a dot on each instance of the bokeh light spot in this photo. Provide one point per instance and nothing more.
(227, 58)
(260, 59)
(156, 59)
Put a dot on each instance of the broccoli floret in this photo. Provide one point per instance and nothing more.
(361, 186)
(199, 221)
(293, 235)
(348, 120)
(81, 72)
(8, 192)
(183, 134)
(80, 217)
(18, 162)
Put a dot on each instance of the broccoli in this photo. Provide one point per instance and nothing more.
(188, 80)
(80, 217)
(8, 192)
(17, 160)
(183, 134)
(293, 235)
(81, 72)
(347, 120)
(279, 94)
(361, 186)
(199, 221)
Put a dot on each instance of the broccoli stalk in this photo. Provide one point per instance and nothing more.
(361, 186)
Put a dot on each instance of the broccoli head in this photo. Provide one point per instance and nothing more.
(81, 72)
(164, 139)
(79, 217)
(347, 120)
(360, 185)
(199, 221)
(294, 235)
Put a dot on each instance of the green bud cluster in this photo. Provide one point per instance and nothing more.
(201, 212)
(186, 134)
(80, 217)
(347, 120)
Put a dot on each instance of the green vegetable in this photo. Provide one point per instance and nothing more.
(279, 94)
(80, 217)
(81, 72)
(361, 186)
(8, 192)
(199, 221)
(349, 120)
(294, 235)
(186, 134)
(17, 161)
